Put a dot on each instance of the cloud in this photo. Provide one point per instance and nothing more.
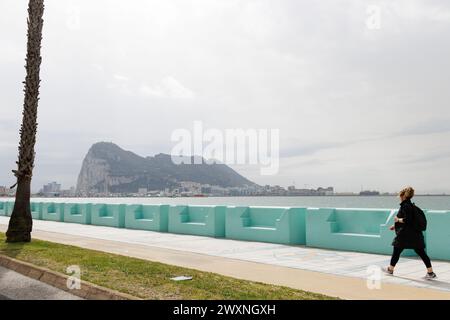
(309, 149)
(119, 77)
(427, 127)
(430, 158)
(120, 84)
(168, 88)
(11, 53)
(353, 105)
(422, 10)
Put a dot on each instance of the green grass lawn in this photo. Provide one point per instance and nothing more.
(145, 279)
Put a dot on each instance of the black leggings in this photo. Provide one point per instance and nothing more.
(420, 252)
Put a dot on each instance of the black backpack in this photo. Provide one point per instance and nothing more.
(420, 220)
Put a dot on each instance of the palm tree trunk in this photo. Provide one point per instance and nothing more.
(20, 224)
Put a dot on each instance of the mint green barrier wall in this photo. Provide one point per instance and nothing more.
(363, 230)
(8, 207)
(52, 211)
(276, 225)
(197, 220)
(147, 217)
(77, 213)
(109, 215)
(438, 234)
(36, 210)
(3, 206)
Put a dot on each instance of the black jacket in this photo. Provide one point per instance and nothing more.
(407, 237)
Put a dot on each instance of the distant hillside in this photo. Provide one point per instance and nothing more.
(109, 168)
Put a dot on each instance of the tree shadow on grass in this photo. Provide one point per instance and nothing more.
(12, 250)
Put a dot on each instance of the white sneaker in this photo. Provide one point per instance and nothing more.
(388, 271)
(430, 276)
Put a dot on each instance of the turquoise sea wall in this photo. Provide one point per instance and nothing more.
(266, 224)
(197, 220)
(361, 230)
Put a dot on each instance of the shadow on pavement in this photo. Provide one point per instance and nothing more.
(432, 283)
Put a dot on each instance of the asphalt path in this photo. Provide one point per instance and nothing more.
(15, 286)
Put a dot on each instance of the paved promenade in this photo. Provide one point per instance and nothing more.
(335, 273)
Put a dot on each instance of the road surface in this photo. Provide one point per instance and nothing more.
(14, 286)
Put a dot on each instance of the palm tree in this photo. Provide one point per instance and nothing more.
(20, 224)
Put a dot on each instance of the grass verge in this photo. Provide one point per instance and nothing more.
(146, 279)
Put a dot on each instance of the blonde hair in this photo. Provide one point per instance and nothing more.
(407, 192)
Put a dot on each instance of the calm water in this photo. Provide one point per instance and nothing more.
(425, 202)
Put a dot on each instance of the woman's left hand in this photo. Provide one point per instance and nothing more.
(396, 219)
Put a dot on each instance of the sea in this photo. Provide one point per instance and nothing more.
(390, 202)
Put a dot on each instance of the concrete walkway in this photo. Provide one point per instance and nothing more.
(335, 273)
(14, 286)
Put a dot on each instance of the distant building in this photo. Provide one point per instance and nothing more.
(292, 191)
(206, 189)
(369, 193)
(142, 191)
(68, 193)
(51, 189)
(345, 194)
(219, 191)
(326, 191)
(190, 187)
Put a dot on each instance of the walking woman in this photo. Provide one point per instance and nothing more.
(407, 235)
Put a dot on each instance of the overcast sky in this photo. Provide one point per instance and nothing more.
(356, 106)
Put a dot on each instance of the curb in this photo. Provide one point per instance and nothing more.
(88, 291)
